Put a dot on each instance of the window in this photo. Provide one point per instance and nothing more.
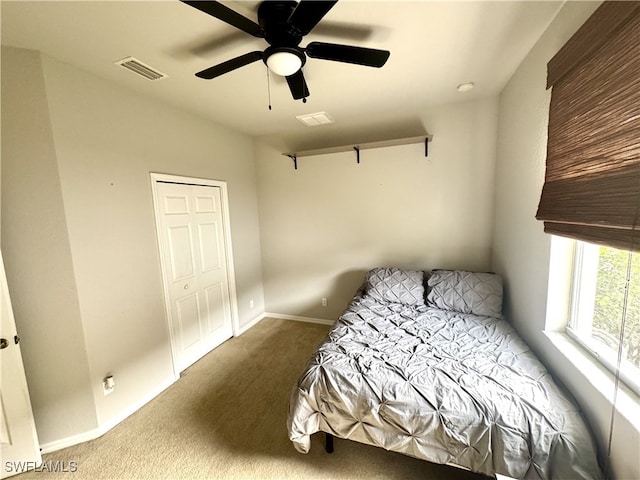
(600, 301)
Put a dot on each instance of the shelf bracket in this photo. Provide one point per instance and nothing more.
(295, 161)
(357, 150)
(426, 147)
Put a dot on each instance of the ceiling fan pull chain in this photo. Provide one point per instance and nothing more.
(269, 88)
(304, 88)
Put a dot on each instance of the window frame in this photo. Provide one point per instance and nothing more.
(577, 321)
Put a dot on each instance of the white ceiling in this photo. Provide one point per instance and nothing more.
(434, 47)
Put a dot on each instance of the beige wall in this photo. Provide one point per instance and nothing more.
(324, 225)
(37, 255)
(103, 143)
(521, 250)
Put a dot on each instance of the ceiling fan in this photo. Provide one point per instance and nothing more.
(283, 23)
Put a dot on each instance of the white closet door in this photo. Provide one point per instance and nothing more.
(197, 278)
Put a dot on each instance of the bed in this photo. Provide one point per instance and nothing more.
(432, 370)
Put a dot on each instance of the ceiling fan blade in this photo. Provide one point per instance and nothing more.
(298, 86)
(308, 13)
(229, 65)
(369, 57)
(224, 13)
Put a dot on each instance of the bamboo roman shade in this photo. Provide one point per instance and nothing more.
(592, 182)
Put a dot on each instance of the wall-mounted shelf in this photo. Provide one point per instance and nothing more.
(426, 138)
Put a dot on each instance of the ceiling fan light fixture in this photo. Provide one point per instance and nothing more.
(284, 62)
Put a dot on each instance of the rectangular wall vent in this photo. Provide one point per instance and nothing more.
(136, 66)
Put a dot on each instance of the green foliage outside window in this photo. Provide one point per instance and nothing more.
(610, 292)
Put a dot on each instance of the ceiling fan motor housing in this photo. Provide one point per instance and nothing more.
(272, 17)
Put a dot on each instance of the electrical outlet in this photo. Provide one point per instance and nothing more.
(108, 384)
(251, 303)
(324, 302)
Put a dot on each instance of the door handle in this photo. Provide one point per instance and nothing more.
(4, 343)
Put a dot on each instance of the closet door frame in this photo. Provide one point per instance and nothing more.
(165, 269)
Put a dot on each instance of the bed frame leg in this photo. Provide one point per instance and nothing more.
(328, 442)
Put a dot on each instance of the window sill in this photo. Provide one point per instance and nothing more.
(627, 402)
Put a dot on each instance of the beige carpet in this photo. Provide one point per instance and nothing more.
(226, 418)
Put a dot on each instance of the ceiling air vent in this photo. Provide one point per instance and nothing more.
(136, 66)
(314, 119)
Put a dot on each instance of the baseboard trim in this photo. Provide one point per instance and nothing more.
(249, 325)
(70, 441)
(101, 430)
(297, 318)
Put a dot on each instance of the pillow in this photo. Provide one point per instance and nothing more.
(466, 292)
(396, 285)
